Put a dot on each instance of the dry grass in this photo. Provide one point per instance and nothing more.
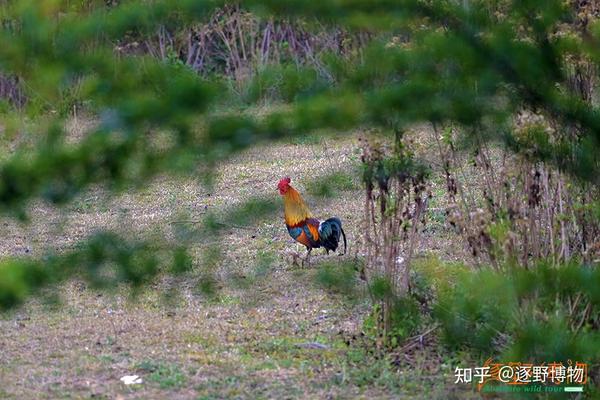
(253, 339)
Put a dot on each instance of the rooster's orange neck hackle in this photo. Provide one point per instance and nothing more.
(294, 208)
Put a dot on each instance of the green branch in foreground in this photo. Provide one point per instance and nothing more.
(104, 260)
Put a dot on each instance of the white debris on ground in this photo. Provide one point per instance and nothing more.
(131, 380)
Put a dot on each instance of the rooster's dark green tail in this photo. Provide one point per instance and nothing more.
(329, 234)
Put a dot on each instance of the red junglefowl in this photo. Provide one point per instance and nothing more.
(305, 229)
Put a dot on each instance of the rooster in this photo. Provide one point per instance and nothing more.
(305, 229)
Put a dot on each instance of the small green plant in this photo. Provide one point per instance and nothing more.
(207, 286)
(405, 320)
(167, 376)
(338, 277)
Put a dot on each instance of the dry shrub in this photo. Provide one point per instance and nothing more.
(11, 90)
(236, 43)
(395, 204)
(512, 210)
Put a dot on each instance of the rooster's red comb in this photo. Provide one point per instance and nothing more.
(284, 182)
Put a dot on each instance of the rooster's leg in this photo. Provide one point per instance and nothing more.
(307, 259)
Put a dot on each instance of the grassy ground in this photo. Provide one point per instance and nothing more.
(261, 327)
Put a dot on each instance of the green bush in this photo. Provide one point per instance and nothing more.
(543, 314)
(405, 320)
(286, 83)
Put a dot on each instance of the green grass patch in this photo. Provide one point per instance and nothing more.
(167, 376)
(338, 277)
(290, 352)
(206, 341)
(332, 184)
(307, 140)
(261, 269)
